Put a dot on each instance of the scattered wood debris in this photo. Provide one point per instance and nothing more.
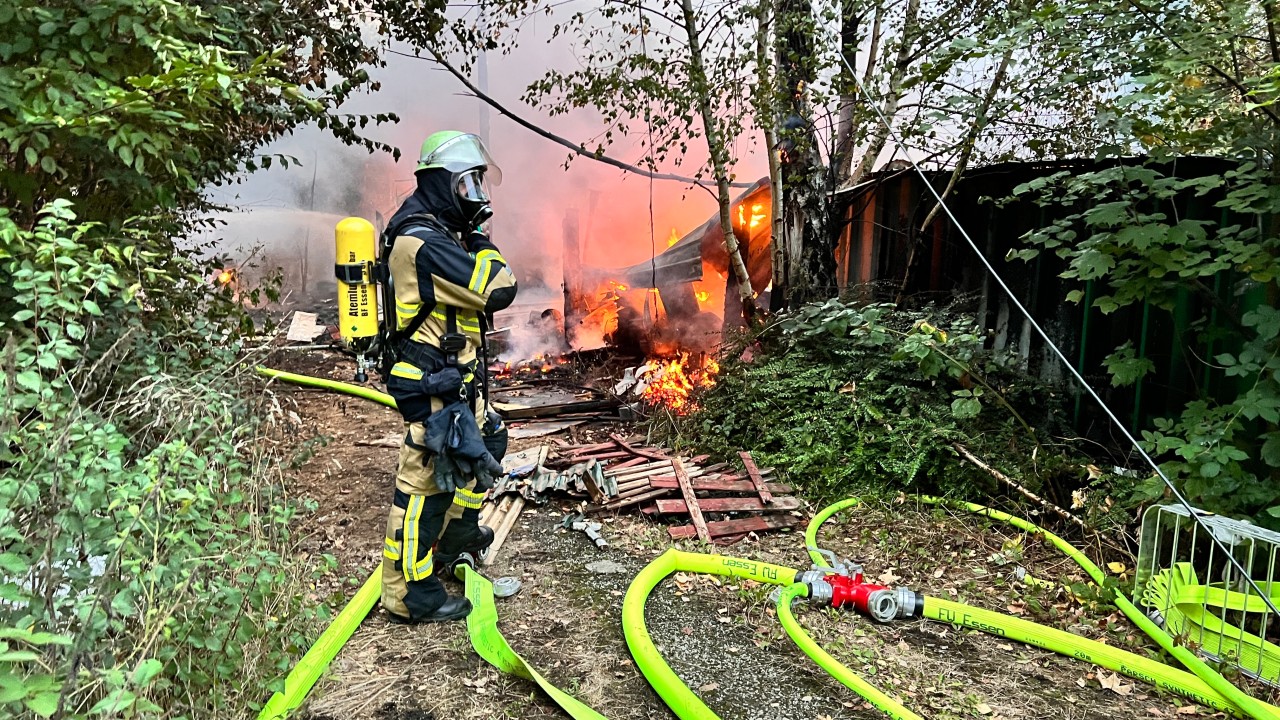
(721, 503)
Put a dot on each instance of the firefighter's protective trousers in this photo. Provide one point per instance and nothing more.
(428, 526)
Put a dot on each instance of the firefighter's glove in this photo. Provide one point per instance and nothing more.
(495, 435)
(454, 437)
(444, 383)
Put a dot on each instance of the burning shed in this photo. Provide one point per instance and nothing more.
(675, 301)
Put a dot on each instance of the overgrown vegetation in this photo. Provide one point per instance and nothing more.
(147, 566)
(1188, 92)
(841, 396)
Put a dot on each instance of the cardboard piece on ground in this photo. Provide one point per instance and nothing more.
(303, 327)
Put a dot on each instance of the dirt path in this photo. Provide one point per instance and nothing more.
(720, 636)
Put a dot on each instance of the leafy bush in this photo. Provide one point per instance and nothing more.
(147, 568)
(840, 396)
(146, 562)
(1223, 448)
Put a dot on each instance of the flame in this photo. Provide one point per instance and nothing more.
(758, 215)
(225, 277)
(673, 380)
(617, 286)
(702, 296)
(674, 238)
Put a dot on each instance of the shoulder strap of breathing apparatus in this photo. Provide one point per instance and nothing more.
(390, 336)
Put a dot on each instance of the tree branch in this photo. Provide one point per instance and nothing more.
(1013, 484)
(579, 149)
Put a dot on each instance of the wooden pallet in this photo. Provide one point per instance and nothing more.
(720, 503)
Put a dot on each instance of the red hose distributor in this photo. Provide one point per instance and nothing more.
(879, 602)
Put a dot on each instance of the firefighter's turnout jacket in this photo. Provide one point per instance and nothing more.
(458, 279)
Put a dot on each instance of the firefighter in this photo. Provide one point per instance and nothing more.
(448, 278)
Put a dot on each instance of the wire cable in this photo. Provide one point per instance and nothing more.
(1084, 384)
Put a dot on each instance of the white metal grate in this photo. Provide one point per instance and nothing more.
(1188, 585)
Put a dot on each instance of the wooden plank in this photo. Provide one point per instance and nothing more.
(636, 451)
(626, 464)
(699, 459)
(598, 456)
(722, 528)
(712, 485)
(509, 412)
(628, 502)
(765, 496)
(639, 468)
(634, 491)
(691, 499)
(745, 504)
(705, 475)
(632, 485)
(500, 535)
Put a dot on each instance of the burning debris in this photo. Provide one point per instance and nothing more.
(670, 383)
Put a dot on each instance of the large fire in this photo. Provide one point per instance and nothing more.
(673, 380)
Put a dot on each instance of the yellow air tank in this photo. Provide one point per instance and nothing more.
(356, 251)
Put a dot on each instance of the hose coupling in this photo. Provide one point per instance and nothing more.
(882, 605)
(1157, 617)
(820, 592)
(808, 577)
(910, 604)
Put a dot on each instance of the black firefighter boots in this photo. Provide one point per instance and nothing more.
(447, 558)
(454, 608)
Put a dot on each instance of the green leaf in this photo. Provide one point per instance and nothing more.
(45, 704)
(1093, 264)
(116, 702)
(1271, 449)
(29, 380)
(15, 656)
(1106, 304)
(147, 671)
(32, 156)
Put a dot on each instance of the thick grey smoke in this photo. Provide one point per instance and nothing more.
(288, 214)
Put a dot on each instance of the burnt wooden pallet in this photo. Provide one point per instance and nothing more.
(745, 504)
(754, 473)
(722, 528)
(719, 485)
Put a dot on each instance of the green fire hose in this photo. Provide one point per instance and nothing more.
(482, 626)
(682, 701)
(342, 387)
(835, 668)
(313, 664)
(1209, 691)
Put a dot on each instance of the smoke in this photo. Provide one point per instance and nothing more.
(288, 213)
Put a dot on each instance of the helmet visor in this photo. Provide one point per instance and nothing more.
(473, 185)
(462, 153)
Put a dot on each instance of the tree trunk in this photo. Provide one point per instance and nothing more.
(767, 118)
(893, 93)
(719, 161)
(809, 254)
